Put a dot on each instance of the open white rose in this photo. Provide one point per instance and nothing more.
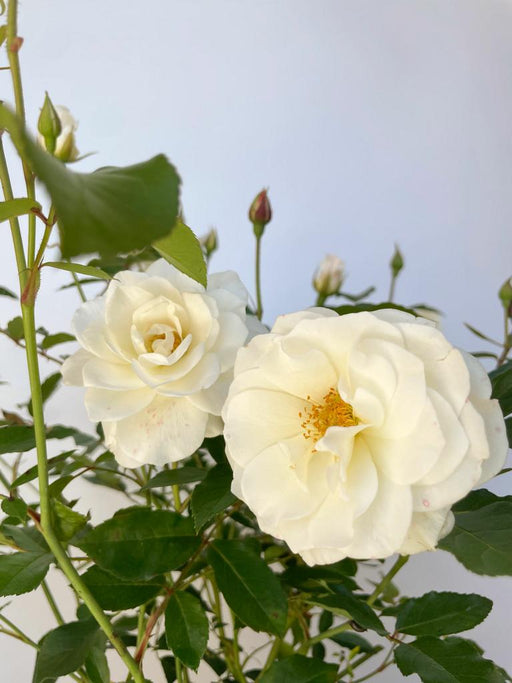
(157, 359)
(354, 435)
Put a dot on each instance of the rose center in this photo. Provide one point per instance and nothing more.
(162, 339)
(332, 411)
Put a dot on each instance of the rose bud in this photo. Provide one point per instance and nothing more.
(260, 212)
(329, 276)
(62, 145)
(209, 242)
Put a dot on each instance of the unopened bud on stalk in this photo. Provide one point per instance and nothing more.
(209, 242)
(397, 262)
(329, 276)
(260, 212)
(49, 125)
(62, 143)
(505, 294)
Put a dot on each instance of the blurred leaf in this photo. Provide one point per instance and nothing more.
(357, 308)
(49, 385)
(439, 614)
(15, 328)
(64, 650)
(169, 666)
(17, 207)
(67, 522)
(115, 594)
(138, 543)
(27, 538)
(213, 495)
(15, 507)
(96, 664)
(7, 292)
(31, 473)
(480, 335)
(16, 439)
(481, 538)
(54, 339)
(342, 600)
(299, 669)
(250, 588)
(452, 660)
(351, 640)
(91, 271)
(186, 628)
(182, 249)
(501, 380)
(216, 447)
(22, 572)
(357, 297)
(181, 475)
(112, 210)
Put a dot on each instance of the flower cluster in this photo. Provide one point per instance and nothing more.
(348, 435)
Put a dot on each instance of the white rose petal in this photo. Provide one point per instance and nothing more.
(353, 436)
(157, 359)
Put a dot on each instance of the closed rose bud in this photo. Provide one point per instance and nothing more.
(397, 262)
(260, 212)
(505, 293)
(209, 242)
(64, 145)
(329, 276)
(49, 125)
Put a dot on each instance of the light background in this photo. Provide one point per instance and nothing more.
(372, 122)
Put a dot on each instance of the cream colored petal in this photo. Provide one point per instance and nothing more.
(183, 283)
(120, 305)
(214, 426)
(165, 431)
(72, 368)
(231, 336)
(228, 291)
(212, 399)
(425, 531)
(105, 375)
(496, 432)
(202, 376)
(255, 419)
(286, 323)
(88, 325)
(102, 404)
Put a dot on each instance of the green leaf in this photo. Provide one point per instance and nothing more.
(508, 425)
(67, 521)
(15, 507)
(182, 475)
(352, 640)
(112, 210)
(186, 628)
(182, 249)
(22, 572)
(300, 669)
(481, 538)
(342, 601)
(48, 387)
(213, 495)
(27, 538)
(250, 588)
(7, 292)
(17, 207)
(91, 271)
(357, 308)
(501, 380)
(114, 594)
(96, 664)
(15, 328)
(64, 650)
(16, 439)
(54, 339)
(452, 660)
(169, 666)
(138, 543)
(31, 473)
(439, 614)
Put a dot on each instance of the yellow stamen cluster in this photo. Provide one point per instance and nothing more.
(333, 411)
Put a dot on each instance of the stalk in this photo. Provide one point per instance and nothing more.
(259, 305)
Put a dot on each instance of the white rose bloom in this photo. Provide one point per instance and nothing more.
(157, 359)
(352, 436)
(65, 145)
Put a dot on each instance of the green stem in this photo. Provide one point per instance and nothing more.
(62, 558)
(391, 294)
(506, 342)
(274, 651)
(79, 287)
(386, 580)
(13, 46)
(51, 602)
(14, 223)
(50, 222)
(320, 300)
(334, 631)
(259, 305)
(19, 633)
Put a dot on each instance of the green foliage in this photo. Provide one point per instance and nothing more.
(67, 521)
(96, 664)
(17, 207)
(481, 538)
(186, 628)
(250, 588)
(52, 340)
(91, 271)
(64, 650)
(343, 601)
(440, 614)
(138, 543)
(182, 249)
(112, 210)
(299, 669)
(501, 380)
(453, 660)
(22, 572)
(182, 475)
(211, 496)
(115, 594)
(4, 291)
